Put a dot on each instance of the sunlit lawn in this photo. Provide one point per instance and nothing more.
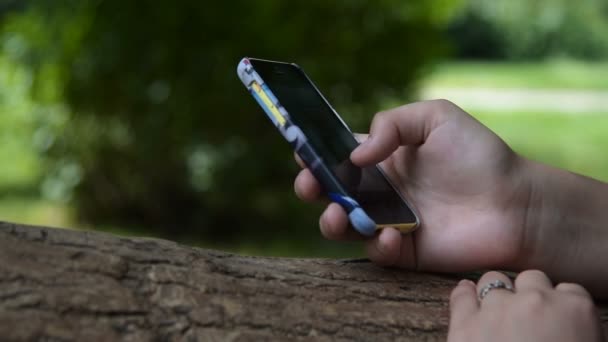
(574, 142)
(557, 74)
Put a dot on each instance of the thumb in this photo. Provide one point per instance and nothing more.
(406, 125)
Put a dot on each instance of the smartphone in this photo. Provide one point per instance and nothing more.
(324, 142)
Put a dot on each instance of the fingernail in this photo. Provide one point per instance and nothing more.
(366, 141)
(465, 282)
(322, 223)
(383, 241)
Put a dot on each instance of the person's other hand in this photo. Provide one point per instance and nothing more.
(535, 311)
(467, 185)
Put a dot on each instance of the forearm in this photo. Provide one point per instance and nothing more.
(567, 227)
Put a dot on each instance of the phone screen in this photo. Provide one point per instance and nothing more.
(334, 142)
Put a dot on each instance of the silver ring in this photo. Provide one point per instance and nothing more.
(496, 284)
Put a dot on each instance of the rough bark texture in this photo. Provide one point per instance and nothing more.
(64, 285)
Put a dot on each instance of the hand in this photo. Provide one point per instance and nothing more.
(536, 311)
(467, 185)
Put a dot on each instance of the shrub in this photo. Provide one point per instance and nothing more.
(159, 132)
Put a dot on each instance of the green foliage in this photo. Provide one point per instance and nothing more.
(148, 124)
(17, 131)
(523, 29)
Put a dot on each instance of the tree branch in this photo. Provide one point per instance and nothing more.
(76, 285)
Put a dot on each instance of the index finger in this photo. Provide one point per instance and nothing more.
(406, 125)
(360, 137)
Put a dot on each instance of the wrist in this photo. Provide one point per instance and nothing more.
(526, 214)
(565, 226)
(539, 237)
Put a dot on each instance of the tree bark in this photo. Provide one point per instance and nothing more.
(64, 285)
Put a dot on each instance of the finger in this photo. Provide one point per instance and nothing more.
(306, 186)
(406, 125)
(360, 137)
(407, 253)
(497, 295)
(385, 248)
(533, 280)
(299, 160)
(573, 288)
(463, 303)
(334, 224)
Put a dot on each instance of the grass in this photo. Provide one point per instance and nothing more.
(573, 142)
(34, 210)
(556, 74)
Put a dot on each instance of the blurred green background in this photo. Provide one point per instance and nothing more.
(128, 116)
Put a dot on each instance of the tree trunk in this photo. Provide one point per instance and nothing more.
(64, 285)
